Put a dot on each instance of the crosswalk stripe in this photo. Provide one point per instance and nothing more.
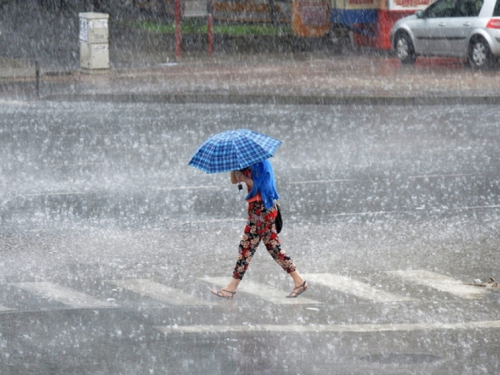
(441, 283)
(172, 296)
(349, 286)
(262, 291)
(3, 308)
(64, 295)
(339, 328)
(159, 292)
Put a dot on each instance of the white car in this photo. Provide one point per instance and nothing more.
(468, 29)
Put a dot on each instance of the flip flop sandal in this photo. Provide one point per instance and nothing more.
(220, 293)
(295, 294)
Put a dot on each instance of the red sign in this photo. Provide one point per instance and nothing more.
(411, 3)
(361, 2)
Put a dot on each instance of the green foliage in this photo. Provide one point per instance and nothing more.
(196, 27)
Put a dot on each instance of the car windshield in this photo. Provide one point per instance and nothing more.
(454, 8)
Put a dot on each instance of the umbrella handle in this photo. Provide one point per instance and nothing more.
(240, 187)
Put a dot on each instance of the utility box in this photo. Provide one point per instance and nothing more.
(94, 41)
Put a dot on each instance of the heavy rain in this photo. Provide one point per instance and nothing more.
(110, 244)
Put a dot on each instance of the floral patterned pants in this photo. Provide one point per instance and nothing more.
(260, 226)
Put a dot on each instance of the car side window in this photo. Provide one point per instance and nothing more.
(496, 11)
(478, 4)
(441, 8)
(468, 8)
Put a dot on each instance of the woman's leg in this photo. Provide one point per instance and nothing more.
(273, 246)
(248, 245)
(261, 225)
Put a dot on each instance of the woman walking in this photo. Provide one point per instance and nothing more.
(262, 212)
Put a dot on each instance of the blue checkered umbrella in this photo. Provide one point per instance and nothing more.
(233, 150)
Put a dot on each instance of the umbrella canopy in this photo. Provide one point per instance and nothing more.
(233, 150)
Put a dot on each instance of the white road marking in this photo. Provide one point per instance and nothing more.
(441, 175)
(190, 188)
(263, 291)
(475, 207)
(367, 213)
(78, 164)
(53, 194)
(317, 182)
(338, 328)
(64, 295)
(3, 308)
(441, 283)
(159, 292)
(216, 221)
(356, 288)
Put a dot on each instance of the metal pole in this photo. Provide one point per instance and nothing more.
(178, 29)
(272, 11)
(210, 36)
(37, 72)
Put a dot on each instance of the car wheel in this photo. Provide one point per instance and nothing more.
(480, 56)
(404, 48)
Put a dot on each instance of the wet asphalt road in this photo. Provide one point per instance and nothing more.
(98, 192)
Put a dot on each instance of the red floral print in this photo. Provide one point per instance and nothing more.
(260, 227)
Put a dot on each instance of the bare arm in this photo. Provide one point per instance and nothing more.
(237, 176)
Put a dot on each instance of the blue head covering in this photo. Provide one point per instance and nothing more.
(263, 182)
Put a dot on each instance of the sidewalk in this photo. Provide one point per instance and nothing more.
(307, 78)
(144, 68)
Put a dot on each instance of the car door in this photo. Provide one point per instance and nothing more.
(430, 33)
(459, 26)
(424, 41)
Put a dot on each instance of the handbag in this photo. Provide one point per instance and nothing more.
(279, 220)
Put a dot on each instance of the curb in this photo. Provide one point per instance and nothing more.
(232, 98)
